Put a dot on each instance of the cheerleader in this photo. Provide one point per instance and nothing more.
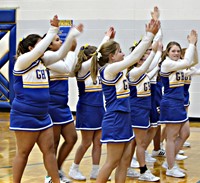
(29, 116)
(116, 126)
(90, 102)
(63, 122)
(172, 110)
(140, 98)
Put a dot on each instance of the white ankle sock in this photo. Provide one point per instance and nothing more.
(75, 166)
(95, 167)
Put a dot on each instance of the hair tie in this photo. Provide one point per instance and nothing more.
(135, 43)
(99, 55)
(21, 39)
(92, 54)
(84, 47)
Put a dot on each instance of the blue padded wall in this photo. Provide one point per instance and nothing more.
(7, 27)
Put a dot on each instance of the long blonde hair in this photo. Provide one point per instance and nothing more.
(84, 54)
(101, 57)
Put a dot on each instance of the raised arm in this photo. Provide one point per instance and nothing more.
(152, 73)
(196, 59)
(188, 60)
(26, 59)
(155, 14)
(157, 56)
(138, 52)
(110, 34)
(138, 71)
(51, 57)
(65, 66)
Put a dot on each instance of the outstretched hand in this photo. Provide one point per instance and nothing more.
(153, 26)
(55, 21)
(111, 32)
(80, 27)
(193, 37)
(155, 14)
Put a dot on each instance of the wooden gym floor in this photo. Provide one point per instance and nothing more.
(35, 171)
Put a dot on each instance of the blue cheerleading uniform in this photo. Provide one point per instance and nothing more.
(29, 110)
(172, 108)
(140, 98)
(58, 105)
(59, 72)
(156, 96)
(187, 83)
(140, 87)
(156, 90)
(188, 79)
(90, 102)
(116, 125)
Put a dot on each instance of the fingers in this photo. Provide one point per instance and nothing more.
(111, 32)
(155, 14)
(193, 37)
(153, 26)
(80, 27)
(55, 21)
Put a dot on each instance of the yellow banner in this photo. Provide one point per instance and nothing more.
(65, 23)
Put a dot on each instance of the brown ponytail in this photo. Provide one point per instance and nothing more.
(94, 67)
(84, 54)
(106, 49)
(23, 46)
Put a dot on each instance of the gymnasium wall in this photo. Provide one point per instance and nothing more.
(128, 17)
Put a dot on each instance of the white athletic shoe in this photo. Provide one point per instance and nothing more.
(132, 173)
(47, 179)
(63, 177)
(180, 157)
(148, 176)
(181, 152)
(160, 153)
(186, 144)
(61, 181)
(76, 174)
(134, 163)
(162, 146)
(94, 174)
(175, 172)
(165, 166)
(148, 158)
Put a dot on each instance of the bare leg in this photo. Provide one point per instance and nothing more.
(172, 132)
(140, 136)
(46, 144)
(183, 135)
(112, 161)
(69, 134)
(156, 139)
(87, 137)
(121, 171)
(133, 146)
(163, 134)
(150, 134)
(96, 149)
(57, 133)
(25, 142)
